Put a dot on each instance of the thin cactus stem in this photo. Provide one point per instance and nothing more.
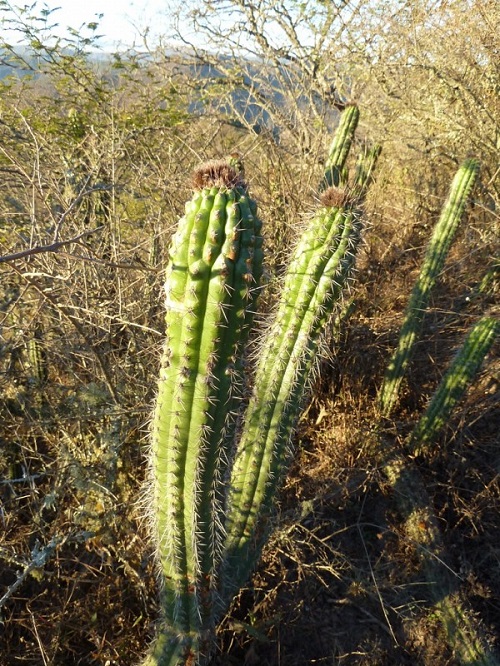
(421, 525)
(432, 266)
(491, 280)
(454, 384)
(365, 168)
(211, 284)
(318, 272)
(340, 146)
(36, 356)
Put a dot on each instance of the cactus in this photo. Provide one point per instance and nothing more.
(36, 357)
(435, 257)
(491, 280)
(454, 383)
(340, 146)
(318, 271)
(414, 503)
(210, 503)
(211, 286)
(365, 167)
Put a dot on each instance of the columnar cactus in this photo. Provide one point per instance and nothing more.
(212, 280)
(435, 257)
(211, 499)
(318, 271)
(340, 146)
(421, 524)
(454, 383)
(36, 356)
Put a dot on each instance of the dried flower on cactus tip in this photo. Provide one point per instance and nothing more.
(217, 173)
(333, 197)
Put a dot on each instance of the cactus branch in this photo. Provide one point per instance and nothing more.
(454, 383)
(421, 524)
(340, 146)
(435, 257)
(318, 271)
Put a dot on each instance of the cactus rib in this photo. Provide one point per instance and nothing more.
(435, 257)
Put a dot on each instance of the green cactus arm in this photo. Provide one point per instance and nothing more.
(317, 273)
(340, 146)
(37, 360)
(433, 263)
(463, 634)
(491, 280)
(454, 383)
(210, 286)
(365, 168)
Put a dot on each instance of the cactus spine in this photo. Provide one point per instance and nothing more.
(212, 277)
(435, 257)
(317, 273)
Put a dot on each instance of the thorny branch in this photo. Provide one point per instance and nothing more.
(51, 247)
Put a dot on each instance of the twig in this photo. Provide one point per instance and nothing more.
(40, 557)
(52, 247)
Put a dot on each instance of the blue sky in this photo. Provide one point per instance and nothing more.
(122, 21)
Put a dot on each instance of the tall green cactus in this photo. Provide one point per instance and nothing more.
(317, 273)
(435, 257)
(210, 497)
(212, 279)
